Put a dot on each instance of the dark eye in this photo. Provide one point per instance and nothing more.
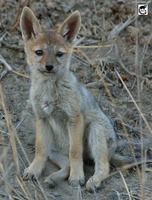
(39, 52)
(59, 54)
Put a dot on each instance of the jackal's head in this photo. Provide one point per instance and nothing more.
(48, 52)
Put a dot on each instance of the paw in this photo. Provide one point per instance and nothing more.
(91, 185)
(30, 173)
(50, 182)
(76, 181)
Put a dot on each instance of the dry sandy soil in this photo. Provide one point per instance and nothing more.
(128, 52)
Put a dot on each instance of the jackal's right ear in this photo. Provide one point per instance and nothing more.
(29, 24)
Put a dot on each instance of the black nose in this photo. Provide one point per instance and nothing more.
(49, 67)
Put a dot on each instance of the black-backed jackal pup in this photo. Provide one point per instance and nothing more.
(69, 121)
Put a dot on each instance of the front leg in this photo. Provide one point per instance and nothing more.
(37, 165)
(76, 151)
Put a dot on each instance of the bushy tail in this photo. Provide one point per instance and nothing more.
(120, 161)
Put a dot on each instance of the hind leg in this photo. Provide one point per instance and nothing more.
(62, 161)
(99, 152)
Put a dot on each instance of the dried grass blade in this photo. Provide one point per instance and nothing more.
(93, 47)
(8, 188)
(16, 24)
(18, 10)
(143, 117)
(5, 63)
(10, 129)
(21, 180)
(118, 28)
(87, 58)
(20, 74)
(79, 193)
(6, 8)
(10, 68)
(22, 185)
(125, 185)
(45, 193)
(19, 142)
(27, 2)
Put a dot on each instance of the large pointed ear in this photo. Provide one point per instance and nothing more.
(29, 24)
(70, 27)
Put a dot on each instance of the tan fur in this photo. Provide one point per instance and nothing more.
(69, 121)
(76, 151)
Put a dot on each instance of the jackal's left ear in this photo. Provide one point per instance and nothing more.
(70, 27)
(29, 24)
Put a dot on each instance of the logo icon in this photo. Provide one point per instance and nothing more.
(142, 9)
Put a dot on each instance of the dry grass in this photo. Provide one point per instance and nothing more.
(11, 142)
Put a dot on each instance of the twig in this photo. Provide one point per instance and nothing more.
(10, 193)
(148, 170)
(123, 66)
(145, 50)
(78, 59)
(5, 63)
(16, 24)
(71, 50)
(132, 128)
(14, 196)
(96, 84)
(18, 10)
(132, 196)
(20, 123)
(10, 68)
(3, 36)
(93, 47)
(79, 193)
(14, 47)
(118, 194)
(125, 185)
(42, 190)
(78, 41)
(19, 142)
(87, 58)
(128, 166)
(10, 130)
(23, 187)
(143, 117)
(6, 8)
(118, 28)
(20, 74)
(7, 186)
(4, 73)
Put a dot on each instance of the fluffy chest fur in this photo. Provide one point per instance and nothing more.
(51, 104)
(50, 100)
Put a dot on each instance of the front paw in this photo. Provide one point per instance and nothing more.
(76, 181)
(31, 173)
